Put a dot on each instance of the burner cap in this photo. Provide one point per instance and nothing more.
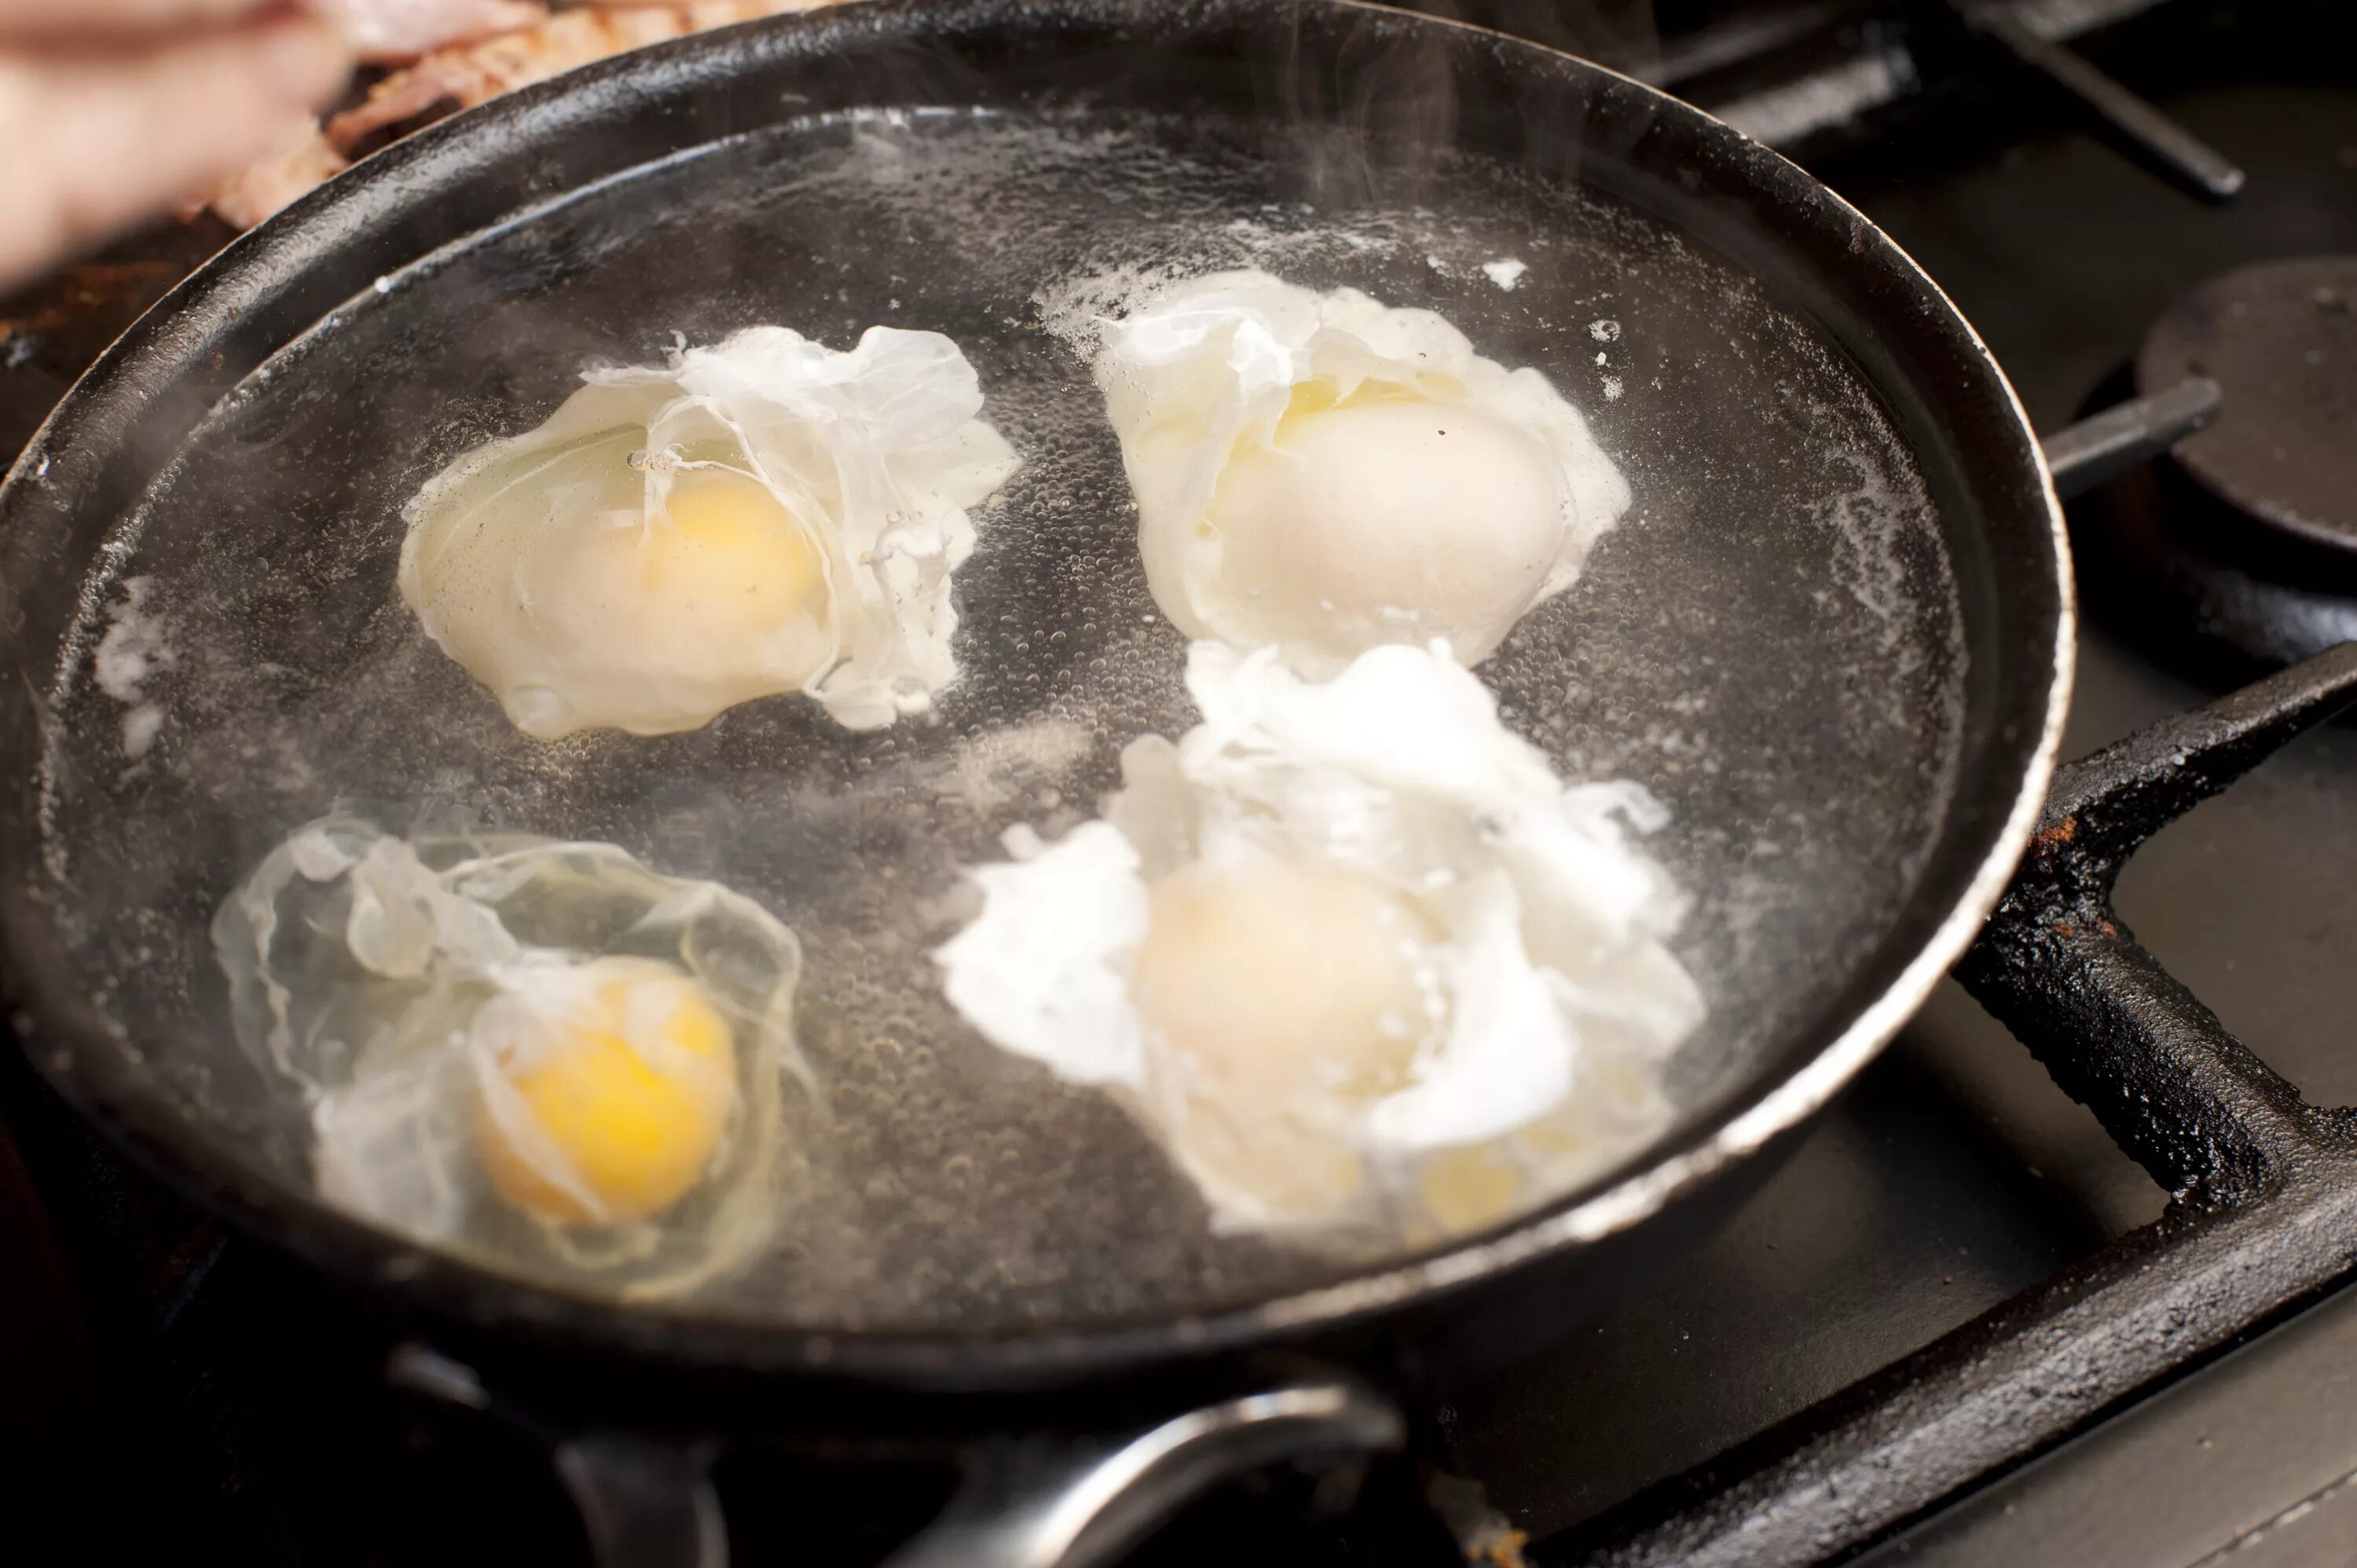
(2280, 339)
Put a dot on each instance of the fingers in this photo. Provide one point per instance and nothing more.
(115, 19)
(91, 145)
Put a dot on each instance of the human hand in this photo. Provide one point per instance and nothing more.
(114, 110)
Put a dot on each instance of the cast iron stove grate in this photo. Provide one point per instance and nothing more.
(2262, 1216)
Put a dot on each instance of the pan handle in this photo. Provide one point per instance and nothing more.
(1029, 1505)
(645, 1502)
(648, 1502)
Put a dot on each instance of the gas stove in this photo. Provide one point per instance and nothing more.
(2074, 1303)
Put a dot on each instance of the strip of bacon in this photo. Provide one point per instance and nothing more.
(302, 159)
(478, 74)
(481, 72)
(390, 31)
(465, 75)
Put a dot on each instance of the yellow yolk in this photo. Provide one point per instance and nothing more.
(1467, 1189)
(1312, 398)
(625, 1099)
(1292, 995)
(728, 550)
(656, 623)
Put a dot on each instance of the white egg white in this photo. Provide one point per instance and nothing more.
(553, 567)
(1324, 474)
(1386, 838)
(398, 985)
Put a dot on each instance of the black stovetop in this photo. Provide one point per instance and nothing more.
(190, 1396)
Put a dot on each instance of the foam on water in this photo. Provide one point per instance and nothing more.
(131, 653)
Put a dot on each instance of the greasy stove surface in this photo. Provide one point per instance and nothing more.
(219, 1404)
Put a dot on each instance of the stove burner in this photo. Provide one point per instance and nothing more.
(2241, 549)
(2280, 339)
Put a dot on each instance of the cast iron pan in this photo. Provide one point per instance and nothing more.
(1833, 634)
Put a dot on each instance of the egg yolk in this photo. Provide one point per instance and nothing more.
(1290, 995)
(1385, 517)
(728, 549)
(654, 623)
(1466, 1189)
(627, 1096)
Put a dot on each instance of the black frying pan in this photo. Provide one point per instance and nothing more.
(1834, 635)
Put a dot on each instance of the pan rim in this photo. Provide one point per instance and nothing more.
(1747, 1120)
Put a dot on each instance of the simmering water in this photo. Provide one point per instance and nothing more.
(1712, 651)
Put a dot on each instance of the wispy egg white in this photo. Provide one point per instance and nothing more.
(1349, 949)
(766, 516)
(1324, 474)
(541, 1053)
